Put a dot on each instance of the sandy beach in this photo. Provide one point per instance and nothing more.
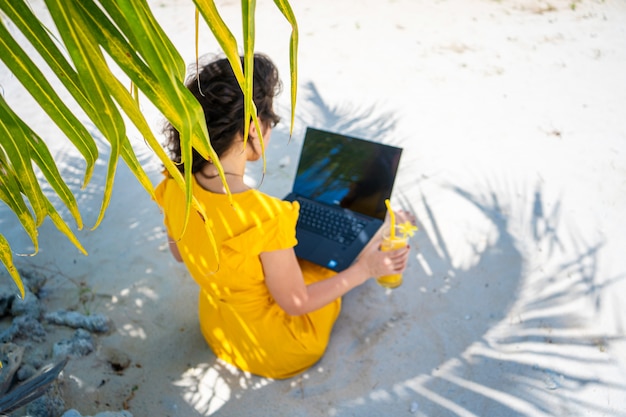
(511, 115)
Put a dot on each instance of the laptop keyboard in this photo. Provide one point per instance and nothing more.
(336, 225)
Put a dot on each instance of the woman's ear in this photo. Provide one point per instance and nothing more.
(253, 147)
(252, 132)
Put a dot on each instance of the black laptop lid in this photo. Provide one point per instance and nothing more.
(347, 172)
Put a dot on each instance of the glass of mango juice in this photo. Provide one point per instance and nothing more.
(392, 241)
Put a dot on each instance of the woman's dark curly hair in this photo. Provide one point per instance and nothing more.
(222, 100)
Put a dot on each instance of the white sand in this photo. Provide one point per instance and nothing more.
(512, 116)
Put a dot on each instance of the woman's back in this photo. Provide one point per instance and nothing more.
(238, 317)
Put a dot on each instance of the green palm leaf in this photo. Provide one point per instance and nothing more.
(151, 41)
(91, 68)
(169, 94)
(40, 154)
(28, 73)
(10, 193)
(41, 39)
(18, 159)
(14, 182)
(115, 44)
(228, 43)
(248, 9)
(286, 10)
(131, 36)
(7, 260)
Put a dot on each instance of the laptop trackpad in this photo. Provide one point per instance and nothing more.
(322, 251)
(307, 243)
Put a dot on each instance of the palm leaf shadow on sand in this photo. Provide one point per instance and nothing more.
(540, 348)
(366, 121)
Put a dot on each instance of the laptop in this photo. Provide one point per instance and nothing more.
(341, 184)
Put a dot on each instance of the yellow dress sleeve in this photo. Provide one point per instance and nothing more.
(278, 232)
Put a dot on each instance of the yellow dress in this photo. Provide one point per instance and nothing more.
(238, 317)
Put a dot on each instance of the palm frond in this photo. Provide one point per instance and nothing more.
(90, 32)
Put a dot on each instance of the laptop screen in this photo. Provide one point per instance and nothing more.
(347, 172)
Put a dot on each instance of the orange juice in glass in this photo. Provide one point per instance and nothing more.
(397, 241)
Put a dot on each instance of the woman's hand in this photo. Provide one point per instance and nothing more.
(377, 263)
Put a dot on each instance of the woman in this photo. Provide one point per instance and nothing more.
(260, 308)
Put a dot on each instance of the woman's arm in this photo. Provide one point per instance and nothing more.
(174, 249)
(284, 279)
